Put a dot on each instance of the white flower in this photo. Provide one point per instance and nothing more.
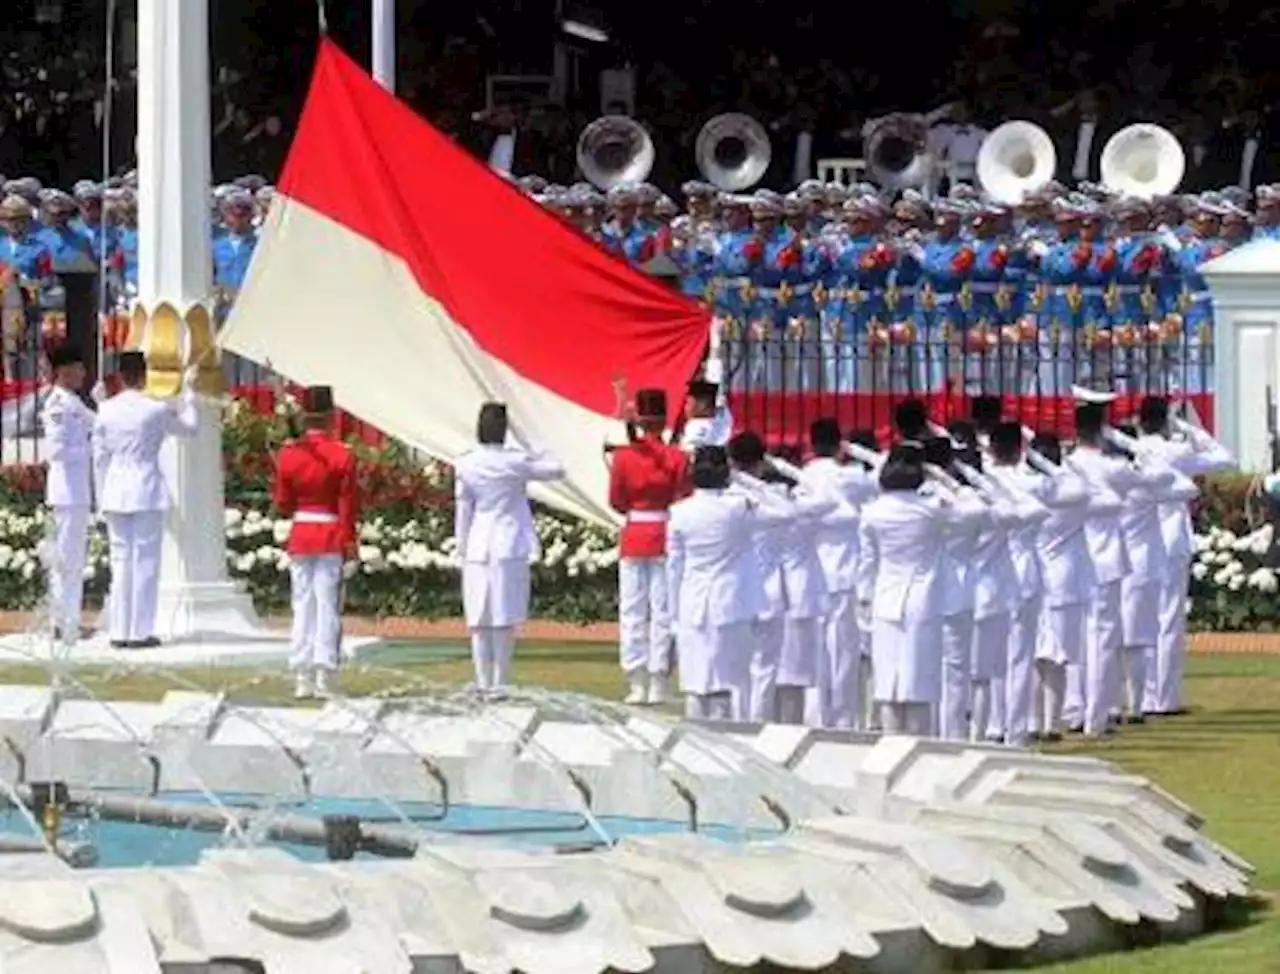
(1236, 583)
(1200, 542)
(232, 517)
(1263, 580)
(1199, 570)
(280, 531)
(244, 563)
(1225, 558)
(1224, 539)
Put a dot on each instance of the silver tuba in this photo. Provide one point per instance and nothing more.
(1143, 160)
(896, 148)
(615, 150)
(733, 152)
(1017, 158)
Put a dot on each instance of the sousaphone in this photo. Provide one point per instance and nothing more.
(615, 150)
(896, 148)
(1016, 159)
(1143, 160)
(733, 152)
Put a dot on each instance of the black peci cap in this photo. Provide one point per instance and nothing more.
(318, 399)
(651, 404)
(65, 355)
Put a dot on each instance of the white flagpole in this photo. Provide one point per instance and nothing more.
(384, 43)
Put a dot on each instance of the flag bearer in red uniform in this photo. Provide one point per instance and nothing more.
(316, 486)
(647, 476)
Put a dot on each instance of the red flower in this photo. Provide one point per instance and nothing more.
(963, 261)
(788, 257)
(1081, 256)
(662, 240)
(1107, 260)
(753, 250)
(44, 264)
(999, 258)
(646, 251)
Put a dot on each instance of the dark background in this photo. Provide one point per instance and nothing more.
(1196, 66)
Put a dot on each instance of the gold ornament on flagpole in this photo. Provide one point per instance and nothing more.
(173, 343)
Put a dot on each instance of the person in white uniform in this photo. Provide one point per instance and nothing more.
(715, 587)
(1148, 561)
(789, 645)
(1193, 453)
(493, 527)
(1096, 689)
(1066, 570)
(133, 497)
(902, 535)
(838, 690)
(708, 420)
(1024, 487)
(957, 589)
(67, 422)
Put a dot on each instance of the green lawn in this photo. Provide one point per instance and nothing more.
(1223, 759)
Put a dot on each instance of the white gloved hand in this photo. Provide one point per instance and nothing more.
(189, 376)
(99, 392)
(350, 569)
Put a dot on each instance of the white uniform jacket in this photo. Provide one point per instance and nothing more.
(837, 539)
(713, 569)
(129, 431)
(68, 432)
(492, 519)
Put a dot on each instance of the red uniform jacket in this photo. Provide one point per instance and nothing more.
(646, 478)
(316, 486)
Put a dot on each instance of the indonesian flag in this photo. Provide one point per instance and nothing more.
(417, 283)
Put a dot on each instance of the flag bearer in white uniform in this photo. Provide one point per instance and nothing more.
(1066, 569)
(493, 527)
(1008, 469)
(839, 687)
(714, 585)
(68, 427)
(902, 535)
(646, 477)
(707, 418)
(1192, 453)
(131, 428)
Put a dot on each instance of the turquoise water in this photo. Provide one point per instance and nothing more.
(124, 844)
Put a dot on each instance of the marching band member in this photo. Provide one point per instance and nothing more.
(837, 697)
(715, 586)
(645, 478)
(68, 428)
(1067, 571)
(496, 541)
(315, 485)
(130, 429)
(902, 535)
(782, 669)
(1194, 454)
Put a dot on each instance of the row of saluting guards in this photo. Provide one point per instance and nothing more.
(972, 582)
(977, 582)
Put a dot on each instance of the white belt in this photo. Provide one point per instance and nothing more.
(648, 517)
(314, 517)
(1087, 292)
(1202, 296)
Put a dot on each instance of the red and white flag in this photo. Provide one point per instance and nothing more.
(401, 271)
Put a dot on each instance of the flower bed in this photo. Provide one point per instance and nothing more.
(407, 559)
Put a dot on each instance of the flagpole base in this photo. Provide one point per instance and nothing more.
(203, 609)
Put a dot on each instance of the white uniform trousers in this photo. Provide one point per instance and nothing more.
(644, 623)
(1140, 634)
(913, 719)
(836, 700)
(957, 667)
(761, 704)
(1019, 679)
(491, 651)
(1098, 681)
(70, 548)
(1164, 675)
(135, 573)
(990, 657)
(315, 591)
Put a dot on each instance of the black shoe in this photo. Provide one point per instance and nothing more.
(151, 642)
(1052, 738)
(1137, 719)
(121, 644)
(1076, 729)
